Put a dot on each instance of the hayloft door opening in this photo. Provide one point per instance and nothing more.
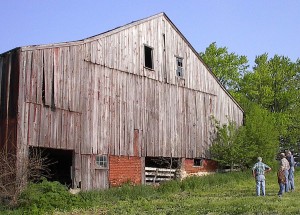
(60, 161)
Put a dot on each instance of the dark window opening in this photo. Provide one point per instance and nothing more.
(60, 164)
(179, 64)
(162, 162)
(198, 162)
(148, 57)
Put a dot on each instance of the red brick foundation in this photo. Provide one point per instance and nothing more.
(124, 169)
(207, 166)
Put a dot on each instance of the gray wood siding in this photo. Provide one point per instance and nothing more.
(101, 92)
(50, 115)
(96, 97)
(124, 51)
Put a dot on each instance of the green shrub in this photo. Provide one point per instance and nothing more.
(47, 196)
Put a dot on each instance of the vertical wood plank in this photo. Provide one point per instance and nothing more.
(39, 74)
(65, 128)
(57, 77)
(48, 75)
(66, 95)
(117, 113)
(28, 72)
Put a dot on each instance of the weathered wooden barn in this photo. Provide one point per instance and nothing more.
(107, 106)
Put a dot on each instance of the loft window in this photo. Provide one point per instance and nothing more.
(148, 57)
(101, 161)
(198, 162)
(179, 66)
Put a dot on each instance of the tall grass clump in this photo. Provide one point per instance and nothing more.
(114, 194)
(213, 181)
(169, 187)
(133, 192)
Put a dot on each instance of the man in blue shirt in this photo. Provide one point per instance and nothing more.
(258, 171)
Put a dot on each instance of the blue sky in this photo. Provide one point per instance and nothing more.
(248, 28)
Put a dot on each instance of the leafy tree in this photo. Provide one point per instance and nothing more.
(260, 133)
(225, 148)
(242, 145)
(269, 95)
(274, 85)
(228, 67)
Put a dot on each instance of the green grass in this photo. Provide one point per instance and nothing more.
(230, 193)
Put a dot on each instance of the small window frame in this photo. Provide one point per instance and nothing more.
(179, 67)
(148, 57)
(101, 161)
(198, 162)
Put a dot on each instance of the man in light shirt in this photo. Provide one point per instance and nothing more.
(285, 166)
(258, 171)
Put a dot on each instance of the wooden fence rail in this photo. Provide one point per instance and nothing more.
(156, 175)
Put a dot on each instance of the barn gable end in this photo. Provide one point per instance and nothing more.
(132, 93)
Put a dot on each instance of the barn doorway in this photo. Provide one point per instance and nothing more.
(160, 169)
(60, 167)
